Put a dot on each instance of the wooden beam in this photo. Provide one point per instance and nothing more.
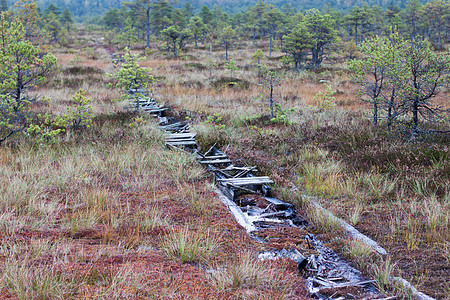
(215, 162)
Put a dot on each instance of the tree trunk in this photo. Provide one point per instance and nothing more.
(226, 51)
(390, 108)
(375, 113)
(271, 100)
(254, 37)
(315, 56)
(270, 44)
(175, 48)
(415, 112)
(147, 27)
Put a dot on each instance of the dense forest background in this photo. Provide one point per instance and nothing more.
(84, 8)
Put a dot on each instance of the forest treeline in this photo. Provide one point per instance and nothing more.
(264, 20)
(84, 8)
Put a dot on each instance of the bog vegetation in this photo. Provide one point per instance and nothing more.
(350, 107)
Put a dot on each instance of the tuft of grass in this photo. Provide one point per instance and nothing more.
(246, 272)
(79, 222)
(199, 201)
(150, 219)
(411, 233)
(323, 222)
(378, 186)
(189, 247)
(360, 253)
(355, 214)
(322, 178)
(436, 215)
(26, 281)
(181, 166)
(382, 272)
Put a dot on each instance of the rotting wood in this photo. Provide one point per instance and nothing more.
(250, 225)
(411, 288)
(236, 212)
(246, 180)
(354, 233)
(182, 143)
(215, 161)
(181, 135)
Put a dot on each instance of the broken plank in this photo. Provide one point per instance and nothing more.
(181, 135)
(278, 203)
(247, 180)
(215, 161)
(177, 148)
(182, 143)
(179, 140)
(215, 157)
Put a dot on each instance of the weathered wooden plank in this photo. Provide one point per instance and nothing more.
(181, 135)
(210, 149)
(152, 110)
(215, 157)
(216, 161)
(174, 125)
(177, 148)
(243, 173)
(180, 138)
(247, 180)
(181, 142)
(278, 203)
(184, 143)
(234, 168)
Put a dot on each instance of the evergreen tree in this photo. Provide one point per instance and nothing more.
(51, 9)
(197, 28)
(228, 38)
(297, 42)
(188, 10)
(178, 18)
(52, 26)
(113, 18)
(177, 38)
(206, 15)
(356, 18)
(322, 33)
(22, 66)
(256, 15)
(66, 19)
(161, 15)
(27, 13)
(143, 8)
(128, 36)
(273, 19)
(374, 73)
(132, 76)
(411, 14)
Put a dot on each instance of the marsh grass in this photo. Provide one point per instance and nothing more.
(189, 246)
(321, 178)
(246, 272)
(200, 200)
(383, 272)
(361, 254)
(29, 282)
(323, 221)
